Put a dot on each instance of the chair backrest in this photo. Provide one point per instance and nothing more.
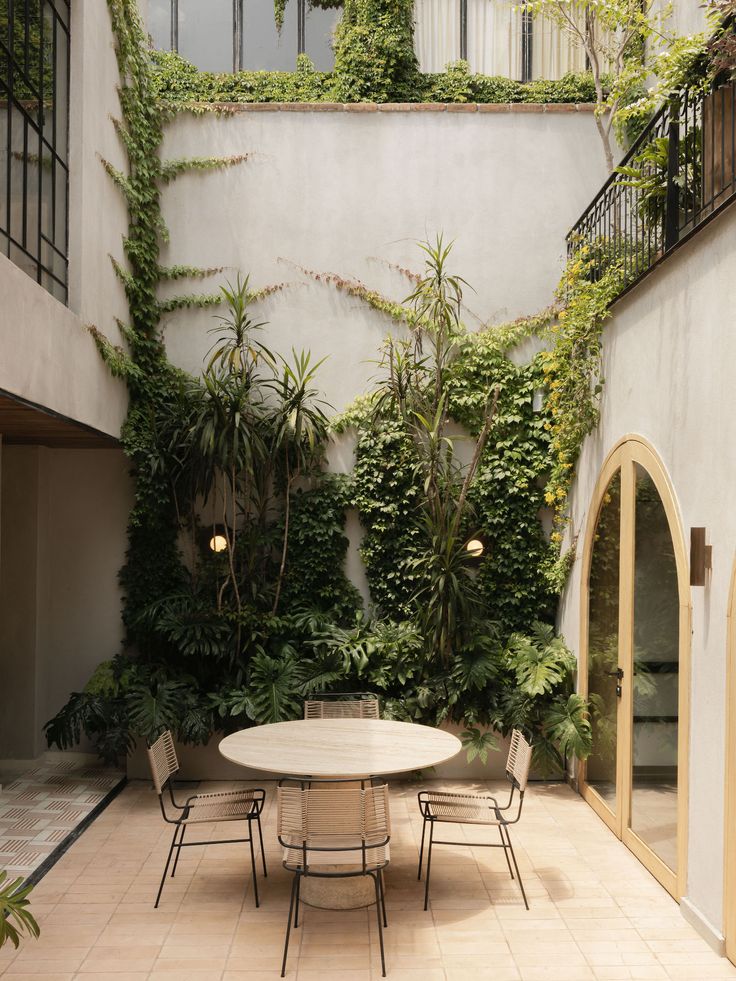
(333, 812)
(162, 760)
(518, 761)
(354, 705)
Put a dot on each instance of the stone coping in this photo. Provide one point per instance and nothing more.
(493, 107)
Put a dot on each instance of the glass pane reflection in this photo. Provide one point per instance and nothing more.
(656, 676)
(603, 605)
(206, 34)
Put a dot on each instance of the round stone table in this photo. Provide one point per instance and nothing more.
(357, 748)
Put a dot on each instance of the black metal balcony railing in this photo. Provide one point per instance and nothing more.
(678, 175)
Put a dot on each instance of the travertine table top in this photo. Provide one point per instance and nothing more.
(340, 747)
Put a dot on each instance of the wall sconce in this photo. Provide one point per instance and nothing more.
(217, 542)
(538, 399)
(475, 549)
(701, 556)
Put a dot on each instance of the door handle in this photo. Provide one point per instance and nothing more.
(618, 674)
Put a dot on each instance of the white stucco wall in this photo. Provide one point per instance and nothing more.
(47, 357)
(668, 359)
(349, 192)
(97, 212)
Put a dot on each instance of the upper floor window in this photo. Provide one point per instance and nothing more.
(34, 138)
(230, 35)
(496, 37)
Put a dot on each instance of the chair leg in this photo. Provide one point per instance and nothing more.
(382, 884)
(429, 865)
(178, 849)
(296, 904)
(253, 863)
(421, 849)
(263, 854)
(166, 867)
(288, 924)
(379, 920)
(505, 852)
(516, 866)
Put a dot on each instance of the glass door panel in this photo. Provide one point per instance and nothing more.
(603, 626)
(656, 676)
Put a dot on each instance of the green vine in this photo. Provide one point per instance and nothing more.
(183, 86)
(574, 381)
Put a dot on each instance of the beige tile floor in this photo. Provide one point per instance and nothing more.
(596, 914)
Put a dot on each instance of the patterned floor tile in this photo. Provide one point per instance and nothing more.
(40, 808)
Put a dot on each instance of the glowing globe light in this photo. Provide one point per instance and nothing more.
(218, 543)
(474, 548)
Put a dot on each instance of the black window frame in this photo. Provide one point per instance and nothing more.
(45, 132)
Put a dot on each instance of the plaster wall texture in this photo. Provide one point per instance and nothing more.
(668, 353)
(62, 529)
(351, 193)
(50, 359)
(97, 213)
(688, 16)
(19, 570)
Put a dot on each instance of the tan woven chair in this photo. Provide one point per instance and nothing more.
(334, 823)
(438, 807)
(342, 705)
(238, 805)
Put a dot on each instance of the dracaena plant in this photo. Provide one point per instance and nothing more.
(15, 917)
(414, 388)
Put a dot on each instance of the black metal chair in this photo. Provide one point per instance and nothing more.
(318, 820)
(237, 805)
(438, 807)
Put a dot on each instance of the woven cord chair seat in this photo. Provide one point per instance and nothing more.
(461, 808)
(220, 807)
(319, 852)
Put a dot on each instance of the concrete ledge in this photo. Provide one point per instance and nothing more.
(462, 107)
(704, 927)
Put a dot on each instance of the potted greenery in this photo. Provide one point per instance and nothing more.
(15, 917)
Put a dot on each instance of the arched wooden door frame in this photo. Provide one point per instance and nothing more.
(630, 450)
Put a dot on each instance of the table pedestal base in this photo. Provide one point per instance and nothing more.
(350, 893)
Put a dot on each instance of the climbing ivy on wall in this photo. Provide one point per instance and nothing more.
(573, 372)
(159, 392)
(507, 495)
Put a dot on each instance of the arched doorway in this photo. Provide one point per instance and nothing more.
(635, 647)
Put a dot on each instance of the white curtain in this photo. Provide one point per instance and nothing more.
(494, 38)
(437, 33)
(555, 51)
